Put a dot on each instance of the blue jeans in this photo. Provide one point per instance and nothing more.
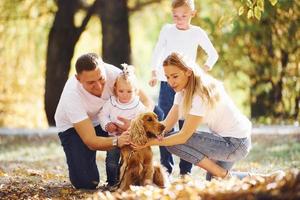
(165, 102)
(83, 171)
(224, 150)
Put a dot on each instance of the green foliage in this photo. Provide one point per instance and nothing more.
(254, 8)
(258, 61)
(274, 70)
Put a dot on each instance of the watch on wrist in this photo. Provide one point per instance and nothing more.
(115, 141)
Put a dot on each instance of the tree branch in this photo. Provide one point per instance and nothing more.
(88, 16)
(140, 5)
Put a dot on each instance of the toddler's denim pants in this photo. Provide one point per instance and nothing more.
(224, 150)
(165, 102)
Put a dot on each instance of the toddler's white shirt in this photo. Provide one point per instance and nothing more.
(112, 109)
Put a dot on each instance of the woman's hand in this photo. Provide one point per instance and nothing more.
(137, 147)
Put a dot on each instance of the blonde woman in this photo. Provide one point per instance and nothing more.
(201, 99)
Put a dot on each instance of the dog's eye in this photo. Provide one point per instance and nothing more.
(149, 119)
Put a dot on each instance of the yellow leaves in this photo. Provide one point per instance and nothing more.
(255, 8)
(64, 191)
(257, 13)
(241, 10)
(2, 173)
(250, 14)
(273, 2)
(260, 5)
(233, 188)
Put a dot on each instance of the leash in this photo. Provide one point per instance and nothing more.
(117, 185)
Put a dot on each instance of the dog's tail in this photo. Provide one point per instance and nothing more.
(159, 177)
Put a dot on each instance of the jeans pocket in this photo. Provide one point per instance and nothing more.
(241, 150)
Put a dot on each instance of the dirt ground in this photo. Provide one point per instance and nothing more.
(33, 167)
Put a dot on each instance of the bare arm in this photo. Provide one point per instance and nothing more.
(171, 118)
(191, 124)
(88, 135)
(147, 101)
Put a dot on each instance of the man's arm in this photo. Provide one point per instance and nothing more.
(87, 133)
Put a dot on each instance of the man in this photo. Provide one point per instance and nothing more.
(76, 118)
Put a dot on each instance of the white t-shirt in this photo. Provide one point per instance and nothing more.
(185, 42)
(76, 104)
(225, 119)
(112, 109)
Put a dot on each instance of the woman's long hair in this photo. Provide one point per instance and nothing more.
(201, 84)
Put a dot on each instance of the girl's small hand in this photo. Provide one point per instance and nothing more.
(206, 68)
(111, 127)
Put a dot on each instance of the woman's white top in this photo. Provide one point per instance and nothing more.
(113, 108)
(224, 119)
(185, 42)
(76, 104)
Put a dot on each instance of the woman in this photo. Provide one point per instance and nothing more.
(201, 99)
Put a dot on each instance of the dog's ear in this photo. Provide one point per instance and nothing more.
(137, 131)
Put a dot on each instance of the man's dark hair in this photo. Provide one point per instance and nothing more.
(87, 62)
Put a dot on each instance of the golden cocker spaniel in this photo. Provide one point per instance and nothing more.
(137, 166)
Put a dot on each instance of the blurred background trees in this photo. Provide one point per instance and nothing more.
(40, 41)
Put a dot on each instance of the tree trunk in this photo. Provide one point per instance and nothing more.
(64, 35)
(62, 39)
(115, 32)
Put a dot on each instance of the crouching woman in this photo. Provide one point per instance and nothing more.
(201, 99)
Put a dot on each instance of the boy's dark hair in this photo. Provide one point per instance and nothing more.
(87, 62)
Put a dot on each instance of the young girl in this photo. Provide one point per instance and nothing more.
(202, 99)
(182, 37)
(126, 104)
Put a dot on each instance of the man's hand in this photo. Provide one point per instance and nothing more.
(124, 126)
(124, 139)
(111, 127)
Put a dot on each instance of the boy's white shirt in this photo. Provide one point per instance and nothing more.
(225, 119)
(76, 104)
(112, 109)
(184, 42)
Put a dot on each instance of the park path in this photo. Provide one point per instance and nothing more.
(257, 130)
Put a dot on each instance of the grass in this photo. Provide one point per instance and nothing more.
(39, 162)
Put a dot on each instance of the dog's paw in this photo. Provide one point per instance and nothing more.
(148, 182)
